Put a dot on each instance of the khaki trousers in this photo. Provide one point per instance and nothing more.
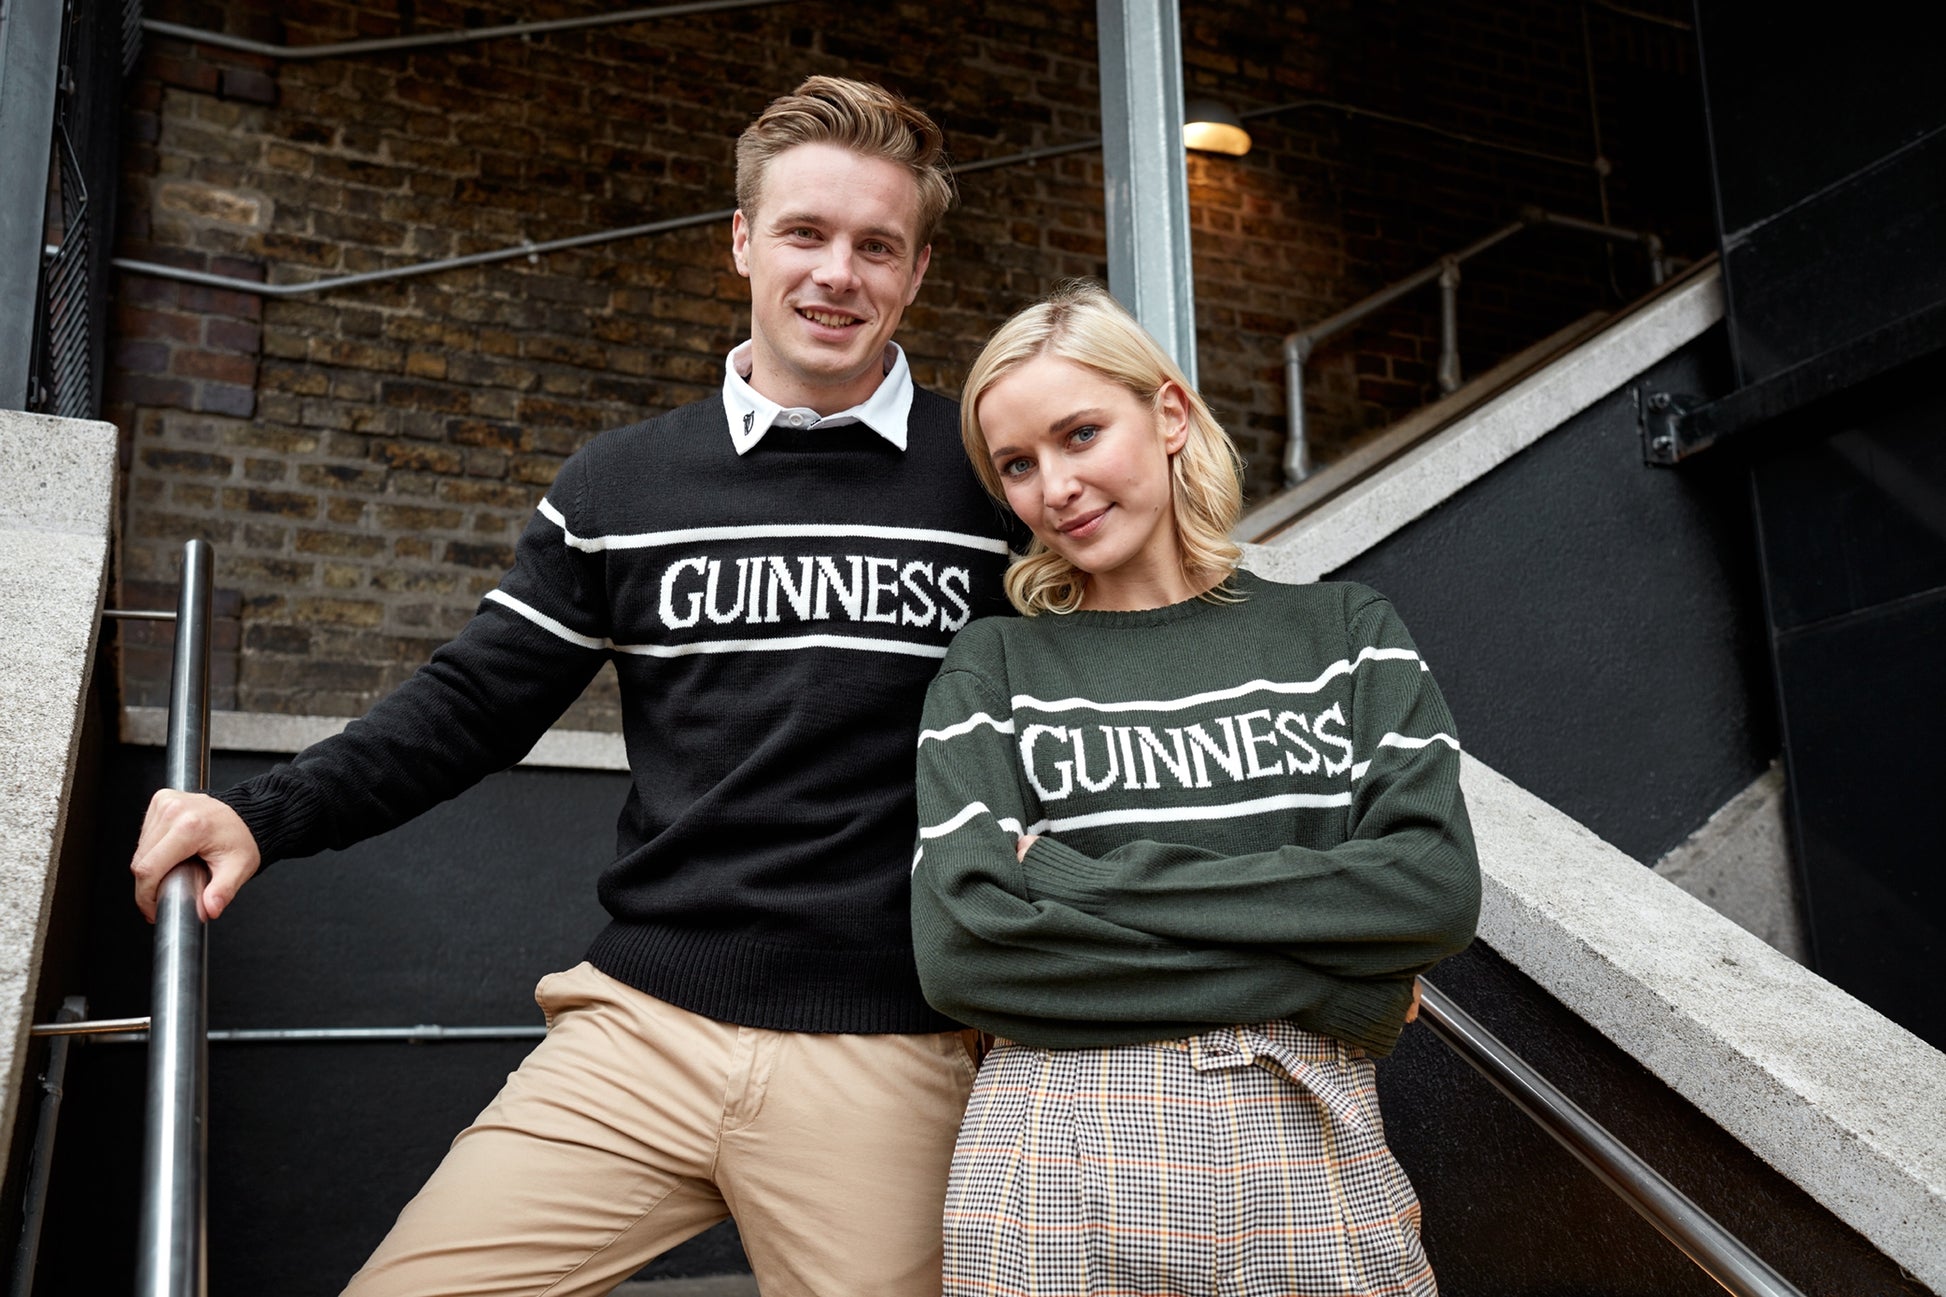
(635, 1125)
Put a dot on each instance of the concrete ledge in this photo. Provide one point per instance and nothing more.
(1346, 526)
(57, 490)
(1834, 1095)
(274, 732)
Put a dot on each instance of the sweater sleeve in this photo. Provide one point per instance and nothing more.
(1399, 894)
(1047, 973)
(477, 707)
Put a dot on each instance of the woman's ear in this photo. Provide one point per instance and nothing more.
(1172, 416)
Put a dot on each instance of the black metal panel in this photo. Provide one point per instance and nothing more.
(1856, 518)
(1829, 144)
(1853, 525)
(1596, 627)
(314, 1148)
(1510, 1213)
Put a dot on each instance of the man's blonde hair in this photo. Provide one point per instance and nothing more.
(867, 119)
(1083, 325)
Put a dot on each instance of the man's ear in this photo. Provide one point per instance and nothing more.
(740, 242)
(919, 264)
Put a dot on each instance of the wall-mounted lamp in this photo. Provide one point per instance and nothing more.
(1214, 128)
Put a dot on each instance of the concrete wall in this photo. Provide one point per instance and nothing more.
(57, 496)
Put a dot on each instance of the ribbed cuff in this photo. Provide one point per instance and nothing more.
(280, 812)
(1057, 872)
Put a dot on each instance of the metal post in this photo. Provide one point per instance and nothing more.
(1714, 1249)
(172, 1260)
(1146, 180)
(1297, 446)
(1449, 362)
(40, 1163)
(30, 55)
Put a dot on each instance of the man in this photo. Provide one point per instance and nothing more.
(775, 574)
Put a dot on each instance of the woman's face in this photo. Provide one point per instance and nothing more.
(1086, 466)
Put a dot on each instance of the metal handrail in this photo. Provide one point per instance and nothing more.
(1716, 1251)
(1297, 347)
(112, 1030)
(172, 1260)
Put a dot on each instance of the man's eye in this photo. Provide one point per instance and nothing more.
(878, 249)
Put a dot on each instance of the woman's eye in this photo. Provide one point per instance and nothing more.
(1015, 467)
(1086, 433)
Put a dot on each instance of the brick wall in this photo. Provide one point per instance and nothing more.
(364, 458)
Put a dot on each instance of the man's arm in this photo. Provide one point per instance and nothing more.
(477, 707)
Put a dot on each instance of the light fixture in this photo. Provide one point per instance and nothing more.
(1214, 128)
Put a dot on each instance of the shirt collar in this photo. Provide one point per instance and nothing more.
(752, 414)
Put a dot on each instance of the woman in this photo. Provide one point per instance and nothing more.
(1188, 836)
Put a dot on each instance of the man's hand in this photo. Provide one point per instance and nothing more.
(182, 826)
(1021, 845)
(1412, 1012)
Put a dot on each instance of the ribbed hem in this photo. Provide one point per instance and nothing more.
(1368, 1014)
(736, 978)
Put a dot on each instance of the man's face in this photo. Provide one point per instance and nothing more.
(833, 260)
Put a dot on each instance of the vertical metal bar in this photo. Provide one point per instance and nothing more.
(1297, 446)
(1449, 361)
(1145, 179)
(40, 1163)
(172, 1261)
(30, 55)
(1714, 1249)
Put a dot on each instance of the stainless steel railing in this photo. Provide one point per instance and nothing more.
(172, 1260)
(1716, 1251)
(1445, 272)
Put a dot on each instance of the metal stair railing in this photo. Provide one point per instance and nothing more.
(172, 1260)
(1297, 347)
(1717, 1252)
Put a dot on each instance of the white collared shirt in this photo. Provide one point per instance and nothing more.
(752, 414)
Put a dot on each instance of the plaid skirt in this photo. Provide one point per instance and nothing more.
(1247, 1162)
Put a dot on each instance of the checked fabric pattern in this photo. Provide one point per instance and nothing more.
(1246, 1162)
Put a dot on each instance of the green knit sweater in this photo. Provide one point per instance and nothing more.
(1247, 811)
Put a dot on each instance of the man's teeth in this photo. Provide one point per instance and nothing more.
(828, 319)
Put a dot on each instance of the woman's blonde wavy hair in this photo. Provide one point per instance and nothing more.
(1082, 324)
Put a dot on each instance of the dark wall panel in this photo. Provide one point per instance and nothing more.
(1829, 144)
(1597, 626)
(1851, 498)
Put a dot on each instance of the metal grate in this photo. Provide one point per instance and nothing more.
(67, 379)
(131, 34)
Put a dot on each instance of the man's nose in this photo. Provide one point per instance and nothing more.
(835, 269)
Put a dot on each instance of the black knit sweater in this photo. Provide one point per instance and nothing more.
(774, 619)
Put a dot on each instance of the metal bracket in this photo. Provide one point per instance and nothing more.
(1661, 417)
